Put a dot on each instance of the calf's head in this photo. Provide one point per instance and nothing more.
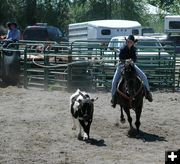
(86, 109)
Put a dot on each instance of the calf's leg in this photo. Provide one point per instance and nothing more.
(122, 116)
(86, 129)
(74, 123)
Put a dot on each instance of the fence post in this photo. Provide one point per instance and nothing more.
(69, 77)
(25, 67)
(159, 56)
(1, 62)
(69, 58)
(46, 63)
(174, 70)
(115, 57)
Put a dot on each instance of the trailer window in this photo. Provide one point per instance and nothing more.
(135, 32)
(147, 30)
(174, 25)
(106, 32)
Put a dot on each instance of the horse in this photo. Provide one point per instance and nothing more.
(130, 93)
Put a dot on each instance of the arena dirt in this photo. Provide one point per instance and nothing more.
(35, 127)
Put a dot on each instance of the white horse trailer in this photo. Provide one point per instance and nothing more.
(172, 29)
(172, 24)
(103, 30)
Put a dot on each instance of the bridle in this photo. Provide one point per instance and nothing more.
(130, 98)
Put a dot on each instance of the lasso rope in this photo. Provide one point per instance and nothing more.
(50, 66)
(65, 65)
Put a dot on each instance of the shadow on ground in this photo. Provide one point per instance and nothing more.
(96, 142)
(146, 137)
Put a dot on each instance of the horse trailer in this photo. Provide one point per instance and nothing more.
(172, 30)
(172, 24)
(103, 30)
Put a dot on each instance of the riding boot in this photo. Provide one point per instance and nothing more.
(114, 101)
(148, 96)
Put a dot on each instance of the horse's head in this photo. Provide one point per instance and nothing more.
(130, 76)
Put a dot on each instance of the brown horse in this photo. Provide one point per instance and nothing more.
(130, 93)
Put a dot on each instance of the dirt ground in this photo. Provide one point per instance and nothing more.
(35, 127)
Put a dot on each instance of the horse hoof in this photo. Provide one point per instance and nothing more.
(123, 121)
(138, 136)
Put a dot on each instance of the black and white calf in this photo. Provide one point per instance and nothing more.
(82, 108)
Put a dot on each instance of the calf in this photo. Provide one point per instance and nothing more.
(82, 108)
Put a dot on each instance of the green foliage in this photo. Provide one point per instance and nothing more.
(175, 7)
(8, 11)
(60, 13)
(78, 11)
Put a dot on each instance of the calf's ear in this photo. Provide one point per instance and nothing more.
(94, 99)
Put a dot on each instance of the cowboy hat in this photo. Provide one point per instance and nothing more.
(131, 37)
(11, 23)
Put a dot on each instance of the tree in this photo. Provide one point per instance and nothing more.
(107, 9)
(174, 9)
(30, 10)
(130, 10)
(78, 11)
(8, 11)
(63, 14)
(60, 13)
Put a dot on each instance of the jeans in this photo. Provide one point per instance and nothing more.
(117, 77)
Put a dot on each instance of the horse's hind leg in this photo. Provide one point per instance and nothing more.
(122, 116)
(138, 115)
(129, 117)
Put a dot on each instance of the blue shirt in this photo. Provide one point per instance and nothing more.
(13, 34)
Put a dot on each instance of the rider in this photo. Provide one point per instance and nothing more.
(13, 34)
(129, 52)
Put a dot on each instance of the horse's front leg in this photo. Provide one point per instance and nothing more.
(122, 116)
(138, 115)
(129, 117)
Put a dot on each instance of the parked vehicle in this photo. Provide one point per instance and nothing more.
(103, 30)
(146, 46)
(43, 32)
(172, 29)
(172, 23)
(147, 31)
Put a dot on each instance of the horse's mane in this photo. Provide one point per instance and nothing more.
(129, 68)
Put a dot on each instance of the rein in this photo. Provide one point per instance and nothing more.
(130, 98)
